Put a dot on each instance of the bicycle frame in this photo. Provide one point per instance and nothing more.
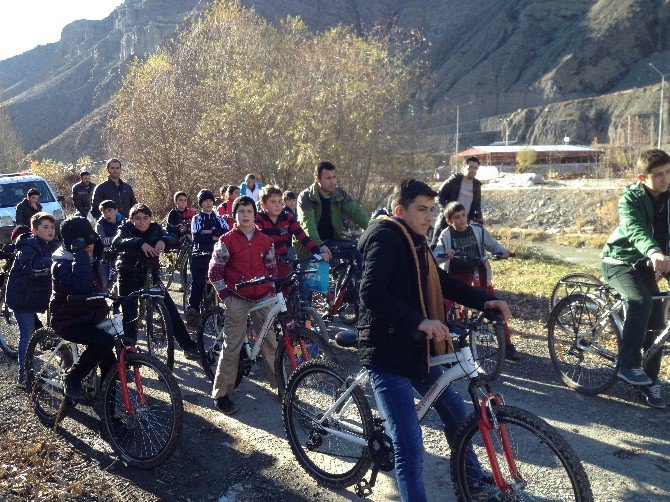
(113, 326)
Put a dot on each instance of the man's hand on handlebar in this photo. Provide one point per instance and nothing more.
(435, 330)
(149, 251)
(500, 306)
(660, 262)
(325, 253)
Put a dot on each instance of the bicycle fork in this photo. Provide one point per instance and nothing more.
(487, 423)
(123, 380)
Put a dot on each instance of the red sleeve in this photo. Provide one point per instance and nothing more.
(300, 235)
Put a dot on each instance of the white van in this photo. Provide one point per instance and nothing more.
(13, 189)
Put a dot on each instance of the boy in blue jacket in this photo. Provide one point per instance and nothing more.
(29, 284)
(106, 228)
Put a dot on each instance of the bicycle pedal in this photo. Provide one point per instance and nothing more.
(363, 489)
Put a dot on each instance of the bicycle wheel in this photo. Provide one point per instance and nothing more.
(576, 282)
(167, 263)
(45, 372)
(331, 460)
(210, 339)
(309, 318)
(547, 467)
(186, 291)
(348, 311)
(147, 437)
(584, 342)
(159, 332)
(315, 348)
(9, 329)
(487, 343)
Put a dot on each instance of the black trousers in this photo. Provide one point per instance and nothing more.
(199, 266)
(99, 349)
(128, 283)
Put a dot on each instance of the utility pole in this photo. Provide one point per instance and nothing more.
(660, 109)
(458, 110)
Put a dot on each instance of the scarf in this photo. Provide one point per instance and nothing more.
(432, 307)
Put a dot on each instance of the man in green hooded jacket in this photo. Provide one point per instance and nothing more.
(321, 208)
(641, 239)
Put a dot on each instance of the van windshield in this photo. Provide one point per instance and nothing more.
(13, 193)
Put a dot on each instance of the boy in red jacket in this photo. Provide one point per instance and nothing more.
(240, 255)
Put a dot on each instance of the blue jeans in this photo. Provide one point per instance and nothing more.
(26, 322)
(395, 397)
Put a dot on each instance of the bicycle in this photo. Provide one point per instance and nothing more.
(177, 262)
(9, 329)
(488, 341)
(342, 296)
(574, 282)
(585, 350)
(336, 439)
(296, 343)
(142, 408)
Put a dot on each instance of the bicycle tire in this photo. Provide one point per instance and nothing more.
(167, 267)
(348, 311)
(159, 332)
(209, 338)
(315, 348)
(316, 322)
(488, 348)
(9, 328)
(49, 402)
(525, 430)
(310, 383)
(584, 366)
(155, 444)
(568, 284)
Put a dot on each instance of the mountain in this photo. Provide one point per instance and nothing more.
(578, 68)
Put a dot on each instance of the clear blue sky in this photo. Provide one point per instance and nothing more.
(25, 24)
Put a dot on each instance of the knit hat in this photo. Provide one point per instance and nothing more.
(205, 194)
(244, 201)
(19, 231)
(77, 227)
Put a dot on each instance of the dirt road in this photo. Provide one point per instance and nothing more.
(624, 445)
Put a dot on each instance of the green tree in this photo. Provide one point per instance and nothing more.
(525, 158)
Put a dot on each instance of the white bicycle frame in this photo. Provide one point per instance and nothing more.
(464, 366)
(113, 326)
(278, 304)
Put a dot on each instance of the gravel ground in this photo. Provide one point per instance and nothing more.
(625, 446)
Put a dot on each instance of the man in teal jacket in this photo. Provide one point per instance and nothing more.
(320, 211)
(643, 235)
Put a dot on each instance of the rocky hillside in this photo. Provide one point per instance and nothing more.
(504, 56)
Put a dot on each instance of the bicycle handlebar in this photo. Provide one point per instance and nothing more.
(490, 314)
(153, 292)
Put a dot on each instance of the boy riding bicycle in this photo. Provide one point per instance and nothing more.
(469, 242)
(402, 291)
(239, 255)
(643, 235)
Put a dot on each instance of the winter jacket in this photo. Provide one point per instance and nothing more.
(24, 211)
(203, 243)
(485, 241)
(107, 231)
(341, 204)
(236, 259)
(75, 274)
(450, 190)
(128, 244)
(225, 209)
(176, 218)
(390, 309)
(122, 194)
(82, 196)
(25, 291)
(634, 239)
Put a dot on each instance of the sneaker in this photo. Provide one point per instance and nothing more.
(652, 394)
(511, 354)
(73, 388)
(484, 490)
(192, 317)
(225, 405)
(191, 353)
(634, 376)
(21, 384)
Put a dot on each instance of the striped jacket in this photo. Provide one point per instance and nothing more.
(203, 243)
(283, 230)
